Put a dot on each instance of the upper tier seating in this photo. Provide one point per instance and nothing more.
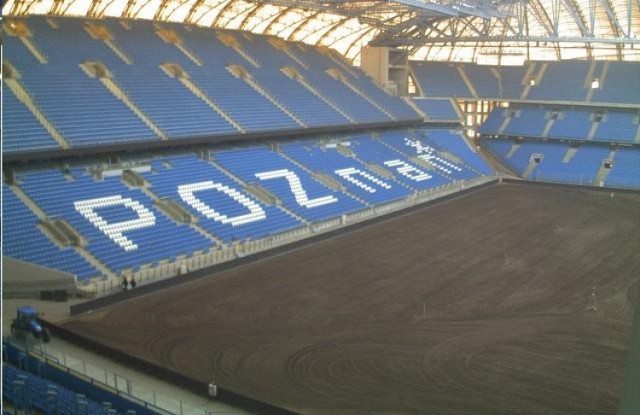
(23, 240)
(484, 80)
(620, 85)
(440, 79)
(22, 130)
(133, 99)
(564, 81)
(82, 110)
(437, 109)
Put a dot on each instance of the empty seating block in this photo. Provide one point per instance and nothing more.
(437, 109)
(298, 191)
(562, 81)
(421, 149)
(25, 390)
(79, 107)
(404, 170)
(219, 203)
(618, 127)
(527, 122)
(572, 124)
(21, 129)
(620, 85)
(511, 81)
(24, 241)
(351, 173)
(626, 169)
(231, 94)
(483, 79)
(493, 122)
(440, 79)
(581, 168)
(454, 143)
(122, 227)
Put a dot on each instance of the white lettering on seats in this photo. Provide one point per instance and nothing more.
(408, 170)
(429, 155)
(348, 174)
(115, 231)
(187, 193)
(296, 188)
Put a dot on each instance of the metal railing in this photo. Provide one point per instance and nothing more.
(117, 384)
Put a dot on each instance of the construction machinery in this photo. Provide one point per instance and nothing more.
(28, 323)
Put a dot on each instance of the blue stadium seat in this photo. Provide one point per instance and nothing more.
(298, 191)
(24, 241)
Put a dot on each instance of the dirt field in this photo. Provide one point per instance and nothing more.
(473, 306)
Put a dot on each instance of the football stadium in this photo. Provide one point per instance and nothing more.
(320, 207)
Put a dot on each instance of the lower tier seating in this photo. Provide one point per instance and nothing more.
(125, 213)
(27, 392)
(588, 163)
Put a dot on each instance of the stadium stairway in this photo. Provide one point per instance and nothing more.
(100, 71)
(174, 70)
(604, 171)
(241, 73)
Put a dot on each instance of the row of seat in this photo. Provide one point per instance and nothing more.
(583, 123)
(562, 81)
(85, 111)
(239, 194)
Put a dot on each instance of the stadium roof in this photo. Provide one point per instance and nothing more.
(483, 31)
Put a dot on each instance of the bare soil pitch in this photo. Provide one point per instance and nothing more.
(473, 306)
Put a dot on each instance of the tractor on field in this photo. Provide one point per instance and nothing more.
(28, 323)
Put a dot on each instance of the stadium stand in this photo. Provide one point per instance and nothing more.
(527, 122)
(561, 81)
(545, 82)
(440, 79)
(625, 171)
(356, 177)
(22, 131)
(584, 123)
(207, 186)
(27, 391)
(437, 109)
(295, 187)
(103, 211)
(108, 87)
(241, 194)
(592, 164)
(23, 240)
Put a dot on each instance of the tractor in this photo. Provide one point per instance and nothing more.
(27, 323)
